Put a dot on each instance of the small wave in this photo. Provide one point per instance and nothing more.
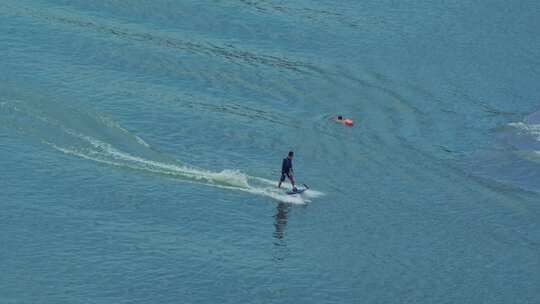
(111, 123)
(531, 129)
(199, 46)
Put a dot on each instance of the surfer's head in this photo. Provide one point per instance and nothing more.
(291, 154)
(340, 117)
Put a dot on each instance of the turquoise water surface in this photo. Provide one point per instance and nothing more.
(141, 143)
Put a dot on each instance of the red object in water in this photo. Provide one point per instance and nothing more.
(348, 122)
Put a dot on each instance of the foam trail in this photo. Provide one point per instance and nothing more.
(111, 123)
(226, 179)
(532, 129)
(88, 135)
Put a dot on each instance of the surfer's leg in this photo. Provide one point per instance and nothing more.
(282, 178)
(291, 178)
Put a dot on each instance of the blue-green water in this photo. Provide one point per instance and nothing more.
(141, 142)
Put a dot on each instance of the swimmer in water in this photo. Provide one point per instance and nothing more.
(287, 170)
(347, 122)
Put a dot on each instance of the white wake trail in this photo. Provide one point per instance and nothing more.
(227, 179)
(87, 135)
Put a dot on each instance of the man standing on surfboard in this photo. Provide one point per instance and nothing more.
(287, 170)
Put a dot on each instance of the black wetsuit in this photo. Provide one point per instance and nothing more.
(286, 169)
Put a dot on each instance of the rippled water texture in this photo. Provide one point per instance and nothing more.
(141, 144)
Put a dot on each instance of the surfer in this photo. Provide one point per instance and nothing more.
(287, 170)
